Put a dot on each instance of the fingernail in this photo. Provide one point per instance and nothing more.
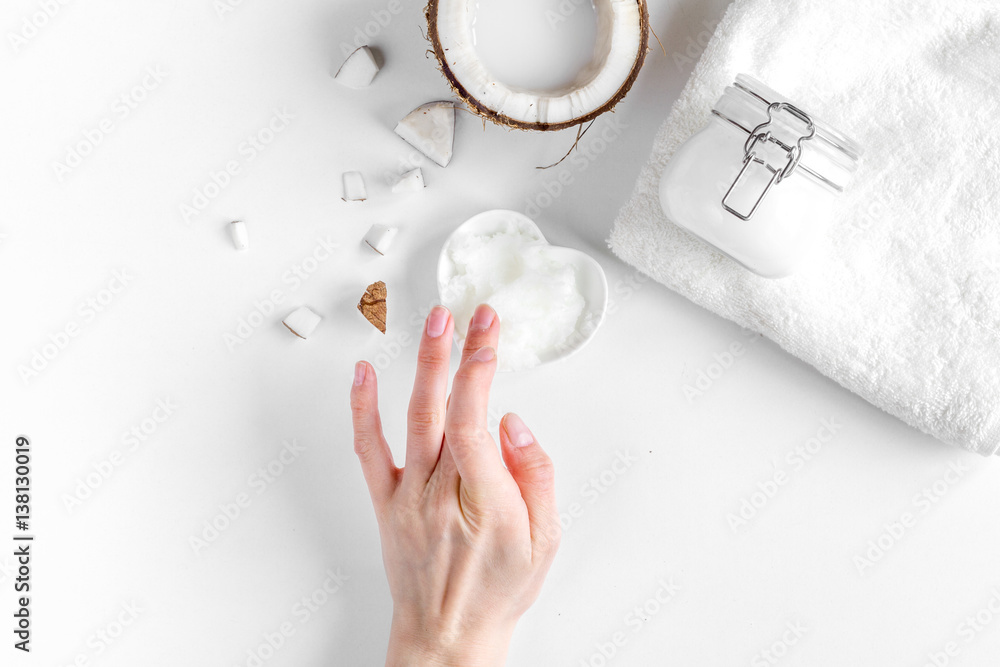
(483, 354)
(517, 432)
(482, 319)
(360, 369)
(437, 321)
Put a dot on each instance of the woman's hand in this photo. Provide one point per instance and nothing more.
(466, 542)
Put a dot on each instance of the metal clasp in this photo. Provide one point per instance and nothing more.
(750, 158)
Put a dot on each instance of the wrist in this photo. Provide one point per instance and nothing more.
(414, 644)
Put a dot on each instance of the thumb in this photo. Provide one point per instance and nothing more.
(534, 474)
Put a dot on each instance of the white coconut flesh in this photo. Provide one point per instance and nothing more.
(618, 53)
(430, 128)
(358, 70)
(411, 181)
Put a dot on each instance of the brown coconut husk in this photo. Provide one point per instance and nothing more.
(373, 305)
(477, 107)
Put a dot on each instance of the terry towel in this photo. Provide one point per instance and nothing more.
(902, 305)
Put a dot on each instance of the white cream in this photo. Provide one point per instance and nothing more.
(722, 184)
(533, 290)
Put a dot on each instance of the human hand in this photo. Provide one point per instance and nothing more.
(466, 542)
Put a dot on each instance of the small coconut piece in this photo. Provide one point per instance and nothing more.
(238, 230)
(358, 70)
(302, 322)
(354, 186)
(411, 181)
(430, 129)
(380, 237)
(372, 305)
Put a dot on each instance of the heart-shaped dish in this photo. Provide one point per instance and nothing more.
(551, 300)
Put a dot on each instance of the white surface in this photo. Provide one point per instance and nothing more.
(161, 338)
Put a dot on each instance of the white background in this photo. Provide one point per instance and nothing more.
(666, 516)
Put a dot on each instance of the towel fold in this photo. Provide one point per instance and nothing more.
(902, 305)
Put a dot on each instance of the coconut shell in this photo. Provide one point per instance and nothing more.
(373, 305)
(477, 107)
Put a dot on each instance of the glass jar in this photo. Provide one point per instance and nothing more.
(760, 181)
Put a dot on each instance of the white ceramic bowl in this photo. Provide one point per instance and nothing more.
(591, 282)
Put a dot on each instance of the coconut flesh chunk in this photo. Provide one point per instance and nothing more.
(431, 130)
(380, 237)
(238, 231)
(358, 70)
(411, 181)
(354, 186)
(302, 322)
(620, 49)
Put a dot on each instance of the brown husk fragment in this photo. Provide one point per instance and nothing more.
(477, 107)
(294, 331)
(372, 305)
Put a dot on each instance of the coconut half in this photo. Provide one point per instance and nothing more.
(620, 49)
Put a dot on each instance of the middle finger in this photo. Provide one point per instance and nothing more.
(426, 413)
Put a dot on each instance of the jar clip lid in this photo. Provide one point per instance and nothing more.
(761, 133)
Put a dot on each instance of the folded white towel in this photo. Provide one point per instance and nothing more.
(903, 306)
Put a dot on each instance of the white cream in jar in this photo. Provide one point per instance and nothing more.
(550, 299)
(760, 181)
